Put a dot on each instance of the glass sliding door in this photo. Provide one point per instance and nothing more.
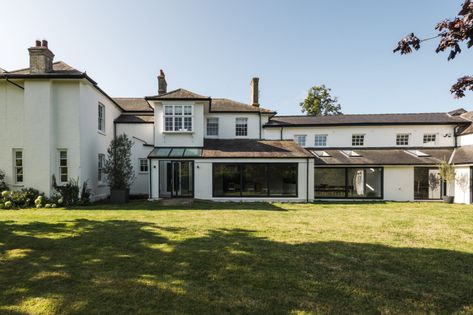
(176, 179)
(348, 182)
(255, 179)
(427, 184)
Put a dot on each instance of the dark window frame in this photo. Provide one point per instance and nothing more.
(240, 169)
(381, 197)
(442, 184)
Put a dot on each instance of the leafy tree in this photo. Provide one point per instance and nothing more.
(118, 166)
(319, 102)
(452, 32)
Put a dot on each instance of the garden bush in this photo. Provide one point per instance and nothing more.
(70, 194)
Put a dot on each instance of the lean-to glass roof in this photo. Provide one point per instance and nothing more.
(175, 153)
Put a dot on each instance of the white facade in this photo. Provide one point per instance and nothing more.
(46, 114)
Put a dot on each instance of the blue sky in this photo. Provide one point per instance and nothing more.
(215, 47)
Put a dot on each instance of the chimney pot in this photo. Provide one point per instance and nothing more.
(255, 91)
(41, 58)
(162, 84)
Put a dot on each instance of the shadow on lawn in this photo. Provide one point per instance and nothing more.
(196, 205)
(127, 267)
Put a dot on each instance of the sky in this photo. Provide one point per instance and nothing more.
(215, 47)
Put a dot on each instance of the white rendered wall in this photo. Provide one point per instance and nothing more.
(465, 140)
(462, 185)
(399, 183)
(140, 134)
(13, 127)
(375, 136)
(227, 123)
(179, 139)
(93, 141)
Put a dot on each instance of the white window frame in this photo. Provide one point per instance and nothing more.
(242, 126)
(18, 170)
(101, 117)
(216, 122)
(175, 116)
(430, 136)
(358, 140)
(298, 138)
(141, 165)
(62, 168)
(101, 165)
(402, 139)
(319, 143)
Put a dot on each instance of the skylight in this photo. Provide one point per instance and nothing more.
(321, 154)
(350, 153)
(417, 153)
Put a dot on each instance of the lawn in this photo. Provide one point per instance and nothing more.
(238, 258)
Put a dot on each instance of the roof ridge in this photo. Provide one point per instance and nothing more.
(421, 113)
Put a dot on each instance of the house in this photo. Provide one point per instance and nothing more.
(56, 120)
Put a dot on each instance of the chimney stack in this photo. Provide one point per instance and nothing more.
(162, 84)
(255, 92)
(41, 58)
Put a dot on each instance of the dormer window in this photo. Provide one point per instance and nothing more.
(178, 118)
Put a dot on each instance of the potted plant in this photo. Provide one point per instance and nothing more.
(119, 169)
(446, 173)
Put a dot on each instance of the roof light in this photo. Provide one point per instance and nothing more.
(321, 154)
(417, 153)
(350, 153)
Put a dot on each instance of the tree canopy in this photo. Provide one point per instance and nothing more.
(452, 32)
(320, 102)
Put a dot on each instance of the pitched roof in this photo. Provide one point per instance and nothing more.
(366, 119)
(59, 67)
(382, 156)
(135, 119)
(252, 148)
(463, 155)
(133, 104)
(179, 94)
(225, 105)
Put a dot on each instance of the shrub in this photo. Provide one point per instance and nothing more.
(118, 166)
(25, 198)
(69, 193)
(3, 185)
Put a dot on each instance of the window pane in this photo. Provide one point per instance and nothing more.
(168, 124)
(167, 110)
(188, 123)
(212, 126)
(320, 140)
(427, 184)
(300, 140)
(282, 180)
(254, 180)
(358, 140)
(364, 182)
(329, 182)
(18, 154)
(63, 154)
(226, 180)
(187, 110)
(177, 123)
(178, 110)
(241, 126)
(402, 139)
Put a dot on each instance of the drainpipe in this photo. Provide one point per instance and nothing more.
(11, 82)
(307, 182)
(280, 137)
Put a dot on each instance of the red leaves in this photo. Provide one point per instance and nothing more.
(406, 44)
(452, 33)
(463, 84)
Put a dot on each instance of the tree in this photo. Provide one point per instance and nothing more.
(452, 32)
(118, 166)
(319, 102)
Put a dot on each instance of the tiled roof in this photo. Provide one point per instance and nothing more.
(251, 148)
(463, 155)
(383, 156)
(226, 105)
(133, 104)
(369, 119)
(178, 94)
(135, 119)
(59, 67)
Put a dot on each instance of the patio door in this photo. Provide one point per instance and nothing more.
(176, 179)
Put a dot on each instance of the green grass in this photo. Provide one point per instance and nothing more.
(238, 258)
